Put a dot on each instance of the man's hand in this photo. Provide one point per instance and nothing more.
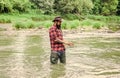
(69, 44)
(64, 42)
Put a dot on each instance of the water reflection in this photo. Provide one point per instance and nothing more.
(57, 70)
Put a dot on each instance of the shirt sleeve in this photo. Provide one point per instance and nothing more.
(53, 34)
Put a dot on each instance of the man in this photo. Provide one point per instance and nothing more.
(57, 42)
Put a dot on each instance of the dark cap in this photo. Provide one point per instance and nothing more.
(57, 19)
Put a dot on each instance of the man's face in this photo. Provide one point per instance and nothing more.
(58, 23)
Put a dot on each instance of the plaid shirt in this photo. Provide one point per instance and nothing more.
(54, 33)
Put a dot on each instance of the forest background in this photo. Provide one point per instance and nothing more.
(35, 13)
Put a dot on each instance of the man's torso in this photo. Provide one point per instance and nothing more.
(53, 33)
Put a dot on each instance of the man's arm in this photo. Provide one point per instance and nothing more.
(53, 34)
(64, 42)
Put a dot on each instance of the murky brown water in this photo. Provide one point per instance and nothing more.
(27, 56)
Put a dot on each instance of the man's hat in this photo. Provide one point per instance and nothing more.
(57, 19)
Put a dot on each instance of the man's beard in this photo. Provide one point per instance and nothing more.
(58, 26)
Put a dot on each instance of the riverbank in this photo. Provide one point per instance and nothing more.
(7, 29)
(33, 20)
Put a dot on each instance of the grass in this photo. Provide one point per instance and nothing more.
(4, 19)
(24, 24)
(95, 24)
(33, 20)
(71, 16)
(104, 18)
(23, 21)
(98, 24)
(70, 24)
(86, 22)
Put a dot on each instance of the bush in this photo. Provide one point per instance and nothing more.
(5, 20)
(33, 20)
(36, 18)
(47, 24)
(97, 18)
(74, 24)
(87, 22)
(71, 16)
(7, 6)
(97, 25)
(64, 25)
(104, 18)
(93, 23)
(24, 24)
(70, 24)
(42, 17)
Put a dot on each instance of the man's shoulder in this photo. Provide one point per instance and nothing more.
(52, 28)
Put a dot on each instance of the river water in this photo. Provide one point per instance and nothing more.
(27, 56)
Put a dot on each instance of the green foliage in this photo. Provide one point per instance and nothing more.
(93, 23)
(74, 6)
(97, 18)
(118, 8)
(74, 24)
(31, 24)
(23, 21)
(64, 25)
(109, 7)
(63, 7)
(97, 7)
(97, 25)
(86, 22)
(47, 24)
(45, 5)
(7, 6)
(21, 5)
(42, 17)
(71, 16)
(4, 19)
(104, 18)
(24, 24)
(106, 7)
(70, 24)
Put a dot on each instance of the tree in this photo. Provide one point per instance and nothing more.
(44, 5)
(87, 6)
(118, 8)
(73, 6)
(109, 7)
(21, 5)
(97, 7)
(14, 5)
(5, 6)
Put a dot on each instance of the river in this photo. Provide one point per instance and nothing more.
(26, 55)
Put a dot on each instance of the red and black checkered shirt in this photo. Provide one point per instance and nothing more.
(54, 33)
